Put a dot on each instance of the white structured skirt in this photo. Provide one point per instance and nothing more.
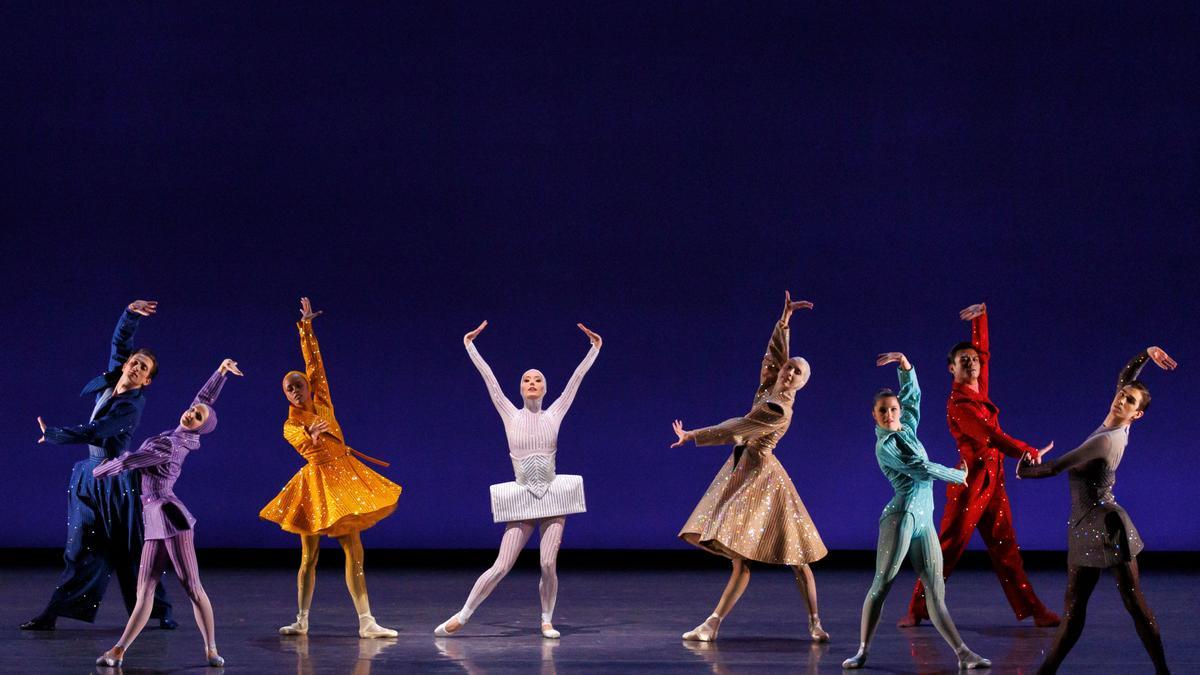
(513, 501)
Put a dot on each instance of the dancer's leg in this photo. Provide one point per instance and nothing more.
(356, 583)
(1081, 581)
(895, 533)
(996, 530)
(808, 590)
(182, 550)
(926, 557)
(552, 532)
(306, 581)
(960, 516)
(154, 561)
(516, 534)
(739, 578)
(1143, 618)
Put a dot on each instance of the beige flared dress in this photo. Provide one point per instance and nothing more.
(751, 510)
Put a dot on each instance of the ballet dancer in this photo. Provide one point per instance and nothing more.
(538, 498)
(1100, 534)
(751, 511)
(104, 515)
(169, 526)
(906, 524)
(982, 503)
(333, 494)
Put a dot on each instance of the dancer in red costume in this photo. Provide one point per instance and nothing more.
(982, 502)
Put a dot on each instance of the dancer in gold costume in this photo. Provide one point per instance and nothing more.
(334, 494)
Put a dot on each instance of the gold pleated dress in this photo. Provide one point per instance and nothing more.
(751, 510)
(334, 493)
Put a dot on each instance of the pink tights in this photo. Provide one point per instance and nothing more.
(516, 534)
(182, 553)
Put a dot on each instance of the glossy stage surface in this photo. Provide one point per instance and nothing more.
(611, 622)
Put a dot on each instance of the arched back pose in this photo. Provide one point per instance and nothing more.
(906, 524)
(169, 526)
(1100, 534)
(334, 494)
(982, 503)
(539, 498)
(751, 511)
(104, 519)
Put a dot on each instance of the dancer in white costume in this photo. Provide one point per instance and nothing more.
(538, 498)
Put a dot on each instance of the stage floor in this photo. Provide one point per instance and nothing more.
(611, 622)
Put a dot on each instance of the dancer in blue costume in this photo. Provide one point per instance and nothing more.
(906, 525)
(104, 515)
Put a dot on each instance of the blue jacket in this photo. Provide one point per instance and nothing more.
(112, 425)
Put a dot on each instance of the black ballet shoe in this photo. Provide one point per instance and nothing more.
(39, 622)
(167, 623)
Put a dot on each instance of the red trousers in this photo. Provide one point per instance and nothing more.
(983, 503)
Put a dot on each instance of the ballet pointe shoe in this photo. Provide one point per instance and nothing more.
(368, 629)
(908, 621)
(969, 660)
(858, 660)
(815, 631)
(300, 627)
(705, 632)
(112, 658)
(214, 659)
(1044, 618)
(449, 627)
(548, 631)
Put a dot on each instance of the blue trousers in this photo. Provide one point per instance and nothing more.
(104, 536)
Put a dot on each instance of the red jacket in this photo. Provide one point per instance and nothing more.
(973, 418)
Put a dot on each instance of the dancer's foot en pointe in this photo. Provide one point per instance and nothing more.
(214, 659)
(969, 660)
(858, 660)
(300, 627)
(705, 632)
(112, 658)
(450, 626)
(549, 632)
(367, 628)
(815, 631)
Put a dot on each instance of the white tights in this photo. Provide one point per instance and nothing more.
(516, 534)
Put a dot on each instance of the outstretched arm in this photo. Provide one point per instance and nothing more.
(503, 405)
(991, 435)
(733, 431)
(1093, 448)
(127, 325)
(314, 365)
(902, 459)
(563, 403)
(212, 389)
(121, 417)
(1133, 369)
(155, 450)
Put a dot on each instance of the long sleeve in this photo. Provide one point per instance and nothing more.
(1133, 369)
(122, 417)
(1093, 448)
(155, 450)
(503, 405)
(122, 339)
(211, 390)
(295, 434)
(991, 435)
(897, 457)
(563, 403)
(910, 398)
(776, 355)
(733, 431)
(314, 365)
(979, 338)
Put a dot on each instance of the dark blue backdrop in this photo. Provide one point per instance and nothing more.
(661, 173)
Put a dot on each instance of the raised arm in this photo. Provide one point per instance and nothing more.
(910, 390)
(127, 325)
(123, 416)
(563, 403)
(1093, 448)
(778, 348)
(900, 458)
(155, 450)
(977, 315)
(503, 405)
(314, 365)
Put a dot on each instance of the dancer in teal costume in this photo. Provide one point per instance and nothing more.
(906, 525)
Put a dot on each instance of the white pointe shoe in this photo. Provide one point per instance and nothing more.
(442, 631)
(705, 632)
(300, 627)
(214, 659)
(969, 660)
(549, 632)
(367, 628)
(815, 631)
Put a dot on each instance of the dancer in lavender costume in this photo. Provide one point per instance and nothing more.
(169, 526)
